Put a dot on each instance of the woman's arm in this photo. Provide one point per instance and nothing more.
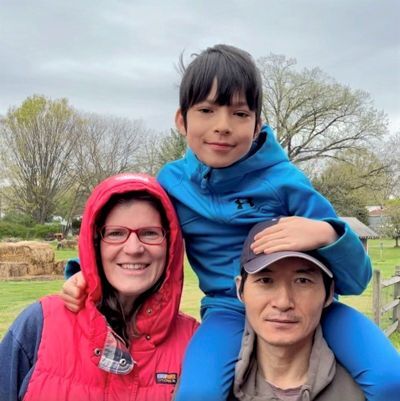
(18, 353)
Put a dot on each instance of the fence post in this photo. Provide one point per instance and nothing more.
(396, 295)
(376, 296)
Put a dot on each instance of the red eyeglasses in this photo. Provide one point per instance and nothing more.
(120, 234)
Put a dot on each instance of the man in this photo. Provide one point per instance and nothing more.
(284, 355)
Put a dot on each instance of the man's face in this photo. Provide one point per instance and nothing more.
(284, 302)
(219, 135)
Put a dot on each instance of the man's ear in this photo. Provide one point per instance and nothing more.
(329, 300)
(180, 122)
(238, 281)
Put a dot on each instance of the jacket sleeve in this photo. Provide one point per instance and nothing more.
(346, 257)
(71, 267)
(18, 353)
(351, 263)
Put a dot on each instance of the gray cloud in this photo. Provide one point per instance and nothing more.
(119, 56)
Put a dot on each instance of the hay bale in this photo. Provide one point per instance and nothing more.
(26, 251)
(59, 267)
(38, 256)
(13, 269)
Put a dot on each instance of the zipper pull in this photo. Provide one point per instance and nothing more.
(204, 180)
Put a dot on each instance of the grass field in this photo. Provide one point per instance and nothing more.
(384, 258)
(15, 295)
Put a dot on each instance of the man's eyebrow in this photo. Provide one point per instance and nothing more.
(308, 270)
(265, 270)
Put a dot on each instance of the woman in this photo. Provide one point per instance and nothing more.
(128, 341)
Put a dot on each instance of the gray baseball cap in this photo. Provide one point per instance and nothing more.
(252, 263)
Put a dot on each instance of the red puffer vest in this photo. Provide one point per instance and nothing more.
(72, 344)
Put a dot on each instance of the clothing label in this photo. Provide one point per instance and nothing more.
(166, 378)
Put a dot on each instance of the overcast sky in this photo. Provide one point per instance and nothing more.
(119, 56)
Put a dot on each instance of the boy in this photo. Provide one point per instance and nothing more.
(233, 176)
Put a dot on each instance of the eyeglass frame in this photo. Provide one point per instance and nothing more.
(130, 231)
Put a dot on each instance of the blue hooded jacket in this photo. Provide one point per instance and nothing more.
(217, 208)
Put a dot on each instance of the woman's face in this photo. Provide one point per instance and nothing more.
(133, 267)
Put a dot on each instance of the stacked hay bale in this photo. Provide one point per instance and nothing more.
(26, 258)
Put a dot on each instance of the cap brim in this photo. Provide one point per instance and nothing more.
(261, 261)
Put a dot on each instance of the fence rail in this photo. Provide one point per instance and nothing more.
(394, 305)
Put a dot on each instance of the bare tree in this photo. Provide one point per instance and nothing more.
(107, 146)
(38, 139)
(160, 149)
(148, 159)
(389, 153)
(314, 116)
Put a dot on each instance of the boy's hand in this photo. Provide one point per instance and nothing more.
(73, 292)
(294, 234)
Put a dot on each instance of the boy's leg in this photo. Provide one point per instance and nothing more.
(362, 348)
(209, 364)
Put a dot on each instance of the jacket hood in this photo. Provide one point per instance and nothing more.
(321, 372)
(160, 309)
(264, 153)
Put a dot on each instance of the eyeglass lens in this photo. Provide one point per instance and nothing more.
(147, 235)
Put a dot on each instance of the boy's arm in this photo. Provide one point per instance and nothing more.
(346, 256)
(333, 239)
(294, 233)
(349, 260)
(71, 267)
(73, 292)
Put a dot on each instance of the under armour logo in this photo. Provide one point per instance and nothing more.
(241, 202)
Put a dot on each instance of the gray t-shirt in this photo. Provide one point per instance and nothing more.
(290, 394)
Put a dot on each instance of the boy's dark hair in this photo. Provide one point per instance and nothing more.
(235, 72)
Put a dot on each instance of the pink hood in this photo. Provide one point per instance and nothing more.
(165, 303)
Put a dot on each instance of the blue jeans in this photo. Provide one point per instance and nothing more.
(362, 348)
(359, 345)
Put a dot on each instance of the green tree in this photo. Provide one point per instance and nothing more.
(172, 147)
(314, 116)
(70, 206)
(346, 204)
(353, 184)
(38, 140)
(392, 227)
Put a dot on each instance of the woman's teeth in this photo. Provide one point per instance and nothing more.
(133, 266)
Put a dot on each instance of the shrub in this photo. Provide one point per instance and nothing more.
(8, 229)
(19, 218)
(16, 230)
(43, 230)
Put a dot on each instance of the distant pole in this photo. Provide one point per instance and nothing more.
(396, 295)
(376, 296)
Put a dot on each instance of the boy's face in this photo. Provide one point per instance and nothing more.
(219, 135)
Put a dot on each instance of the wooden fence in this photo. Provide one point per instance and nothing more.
(393, 305)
